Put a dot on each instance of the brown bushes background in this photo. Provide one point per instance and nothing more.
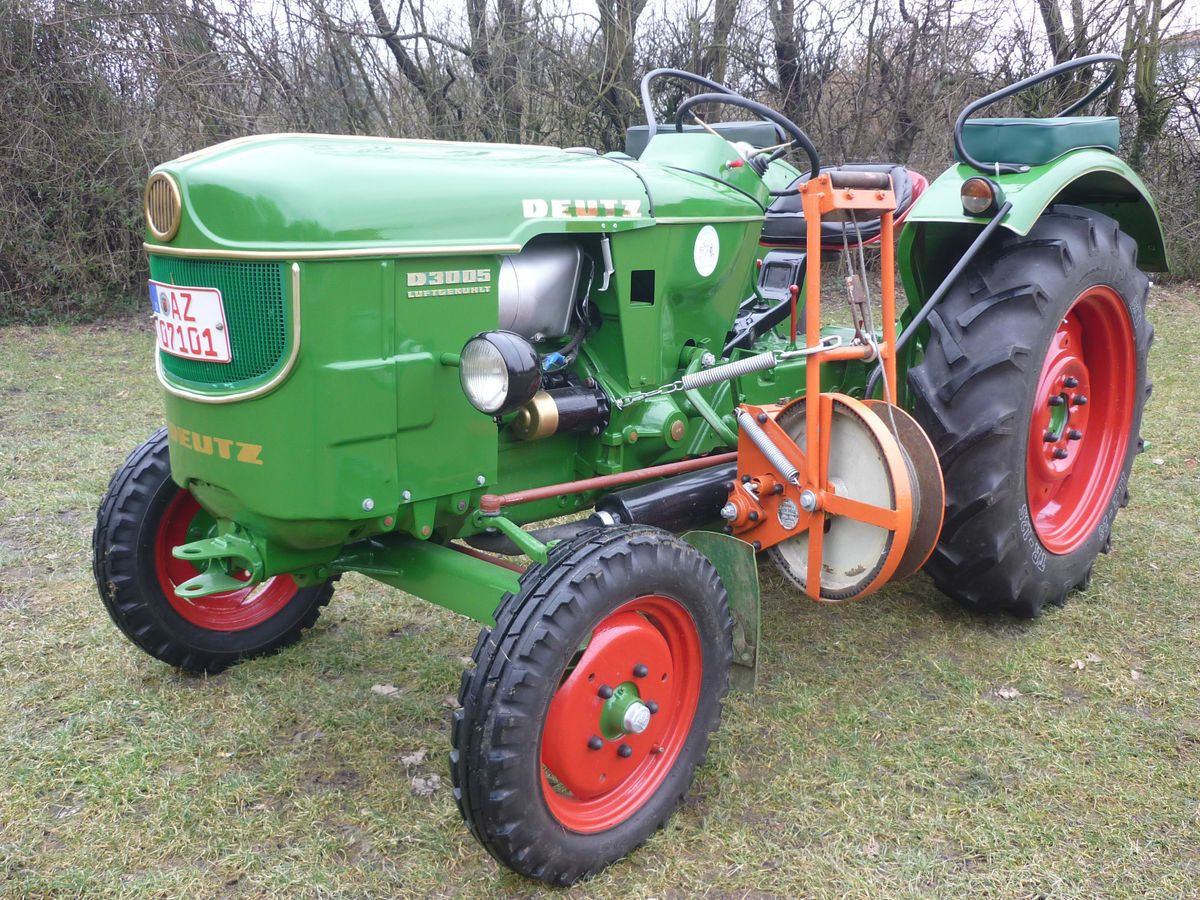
(94, 93)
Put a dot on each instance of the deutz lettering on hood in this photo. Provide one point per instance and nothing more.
(571, 209)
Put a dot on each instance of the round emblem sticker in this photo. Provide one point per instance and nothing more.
(708, 249)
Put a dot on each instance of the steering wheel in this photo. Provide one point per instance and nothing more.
(786, 126)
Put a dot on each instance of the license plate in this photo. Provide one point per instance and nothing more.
(191, 322)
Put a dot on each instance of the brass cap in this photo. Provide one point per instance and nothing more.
(537, 419)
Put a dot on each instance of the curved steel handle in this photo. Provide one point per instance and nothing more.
(1001, 168)
(644, 89)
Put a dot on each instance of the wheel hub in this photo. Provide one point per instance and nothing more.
(587, 706)
(1080, 425)
(622, 713)
(1061, 410)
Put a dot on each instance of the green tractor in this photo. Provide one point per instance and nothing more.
(396, 357)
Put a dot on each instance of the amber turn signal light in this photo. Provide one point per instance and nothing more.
(981, 196)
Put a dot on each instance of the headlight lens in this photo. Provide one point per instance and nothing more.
(499, 372)
(980, 196)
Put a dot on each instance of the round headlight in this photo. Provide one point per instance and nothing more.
(160, 203)
(499, 372)
(980, 196)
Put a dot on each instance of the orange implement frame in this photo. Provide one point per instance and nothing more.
(756, 512)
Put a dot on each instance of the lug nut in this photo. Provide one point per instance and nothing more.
(640, 671)
(1070, 381)
(624, 751)
(652, 706)
(594, 743)
(1079, 400)
(1074, 434)
(1060, 453)
(605, 691)
(1056, 400)
(1049, 437)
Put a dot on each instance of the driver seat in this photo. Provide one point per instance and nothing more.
(785, 225)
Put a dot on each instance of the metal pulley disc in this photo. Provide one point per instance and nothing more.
(866, 467)
(928, 488)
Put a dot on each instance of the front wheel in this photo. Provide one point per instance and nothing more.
(591, 702)
(143, 516)
(1032, 389)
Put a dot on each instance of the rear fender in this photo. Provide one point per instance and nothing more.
(934, 234)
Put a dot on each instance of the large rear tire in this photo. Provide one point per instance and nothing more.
(591, 702)
(143, 515)
(1032, 388)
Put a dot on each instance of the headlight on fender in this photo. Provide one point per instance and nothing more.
(499, 372)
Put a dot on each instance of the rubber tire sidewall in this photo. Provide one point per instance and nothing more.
(125, 565)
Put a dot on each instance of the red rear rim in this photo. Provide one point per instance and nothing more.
(185, 521)
(1079, 433)
(594, 776)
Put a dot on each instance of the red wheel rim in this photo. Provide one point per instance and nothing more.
(598, 787)
(1083, 409)
(231, 611)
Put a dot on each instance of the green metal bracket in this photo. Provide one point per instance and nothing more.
(727, 435)
(528, 544)
(230, 550)
(735, 562)
(710, 415)
(457, 581)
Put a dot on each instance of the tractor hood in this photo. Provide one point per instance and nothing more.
(316, 193)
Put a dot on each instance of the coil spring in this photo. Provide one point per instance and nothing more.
(705, 377)
(774, 455)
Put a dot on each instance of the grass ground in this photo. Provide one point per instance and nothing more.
(895, 747)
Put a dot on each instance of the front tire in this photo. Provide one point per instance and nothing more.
(143, 515)
(550, 773)
(1032, 388)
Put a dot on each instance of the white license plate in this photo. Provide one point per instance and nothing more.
(191, 322)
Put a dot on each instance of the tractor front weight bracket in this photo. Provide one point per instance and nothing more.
(218, 558)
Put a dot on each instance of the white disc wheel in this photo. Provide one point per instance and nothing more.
(853, 552)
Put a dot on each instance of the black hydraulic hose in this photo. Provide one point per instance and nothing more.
(935, 298)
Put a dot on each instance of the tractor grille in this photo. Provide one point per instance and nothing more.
(255, 310)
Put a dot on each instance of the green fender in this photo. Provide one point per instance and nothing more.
(933, 236)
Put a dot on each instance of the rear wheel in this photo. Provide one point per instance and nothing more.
(142, 517)
(591, 702)
(1032, 389)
